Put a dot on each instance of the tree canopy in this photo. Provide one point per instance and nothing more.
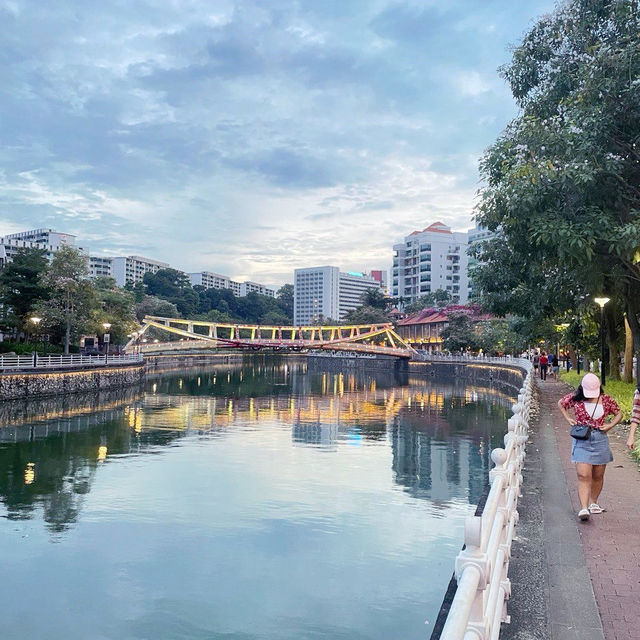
(563, 180)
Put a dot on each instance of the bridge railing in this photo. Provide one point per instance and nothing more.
(479, 605)
(443, 357)
(37, 361)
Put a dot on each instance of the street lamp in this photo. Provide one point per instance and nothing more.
(602, 302)
(36, 321)
(106, 339)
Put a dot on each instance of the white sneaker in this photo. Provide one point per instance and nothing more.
(583, 514)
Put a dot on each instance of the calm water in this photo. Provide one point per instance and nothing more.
(242, 502)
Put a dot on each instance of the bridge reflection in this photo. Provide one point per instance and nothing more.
(437, 435)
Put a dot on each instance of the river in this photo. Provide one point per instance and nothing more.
(262, 500)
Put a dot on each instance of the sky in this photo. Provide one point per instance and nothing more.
(250, 137)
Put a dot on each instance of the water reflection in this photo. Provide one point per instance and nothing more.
(440, 434)
(333, 502)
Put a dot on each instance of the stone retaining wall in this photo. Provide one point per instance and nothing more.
(47, 383)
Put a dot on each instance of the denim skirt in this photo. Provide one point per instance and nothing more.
(594, 450)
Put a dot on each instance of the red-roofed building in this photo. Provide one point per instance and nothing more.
(428, 260)
(422, 330)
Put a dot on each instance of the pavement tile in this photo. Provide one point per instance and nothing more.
(611, 541)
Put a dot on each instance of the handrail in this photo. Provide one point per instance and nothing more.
(37, 361)
(432, 357)
(479, 606)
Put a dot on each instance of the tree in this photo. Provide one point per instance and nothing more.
(166, 283)
(563, 181)
(284, 295)
(115, 306)
(22, 286)
(374, 298)
(438, 299)
(71, 297)
(154, 306)
(459, 334)
(366, 315)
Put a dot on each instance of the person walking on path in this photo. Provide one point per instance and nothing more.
(544, 364)
(554, 364)
(635, 419)
(536, 363)
(591, 407)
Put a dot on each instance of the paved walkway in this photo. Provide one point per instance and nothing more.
(578, 581)
(611, 541)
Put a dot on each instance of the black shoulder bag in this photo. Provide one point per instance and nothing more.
(583, 431)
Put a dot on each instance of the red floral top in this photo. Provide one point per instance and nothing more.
(609, 405)
(635, 414)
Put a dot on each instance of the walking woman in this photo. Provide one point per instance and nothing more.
(635, 419)
(591, 407)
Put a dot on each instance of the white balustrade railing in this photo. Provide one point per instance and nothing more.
(480, 602)
(57, 361)
(446, 357)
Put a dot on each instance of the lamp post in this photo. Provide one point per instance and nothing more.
(602, 302)
(106, 340)
(36, 321)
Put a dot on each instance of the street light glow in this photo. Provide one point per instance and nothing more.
(602, 301)
(35, 320)
(106, 325)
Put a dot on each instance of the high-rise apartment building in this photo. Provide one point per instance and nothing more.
(255, 287)
(131, 269)
(210, 280)
(48, 239)
(325, 293)
(431, 259)
(100, 266)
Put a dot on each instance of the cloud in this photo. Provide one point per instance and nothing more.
(249, 137)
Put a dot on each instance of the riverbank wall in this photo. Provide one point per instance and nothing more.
(23, 384)
(510, 373)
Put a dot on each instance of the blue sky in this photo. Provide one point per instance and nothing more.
(250, 137)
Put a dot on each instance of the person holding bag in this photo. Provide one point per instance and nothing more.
(590, 451)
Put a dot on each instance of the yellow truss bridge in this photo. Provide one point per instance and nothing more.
(375, 339)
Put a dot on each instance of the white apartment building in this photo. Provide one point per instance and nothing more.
(100, 266)
(48, 239)
(210, 280)
(431, 259)
(132, 269)
(324, 293)
(255, 287)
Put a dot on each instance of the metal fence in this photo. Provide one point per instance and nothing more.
(56, 361)
(480, 603)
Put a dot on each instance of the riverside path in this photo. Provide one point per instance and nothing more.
(578, 581)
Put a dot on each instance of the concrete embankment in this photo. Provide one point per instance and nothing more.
(24, 384)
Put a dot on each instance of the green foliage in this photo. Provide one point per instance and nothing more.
(437, 299)
(21, 287)
(71, 295)
(23, 348)
(375, 299)
(563, 181)
(154, 306)
(115, 306)
(365, 315)
(459, 334)
(284, 296)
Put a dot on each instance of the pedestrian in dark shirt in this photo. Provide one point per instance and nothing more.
(544, 364)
